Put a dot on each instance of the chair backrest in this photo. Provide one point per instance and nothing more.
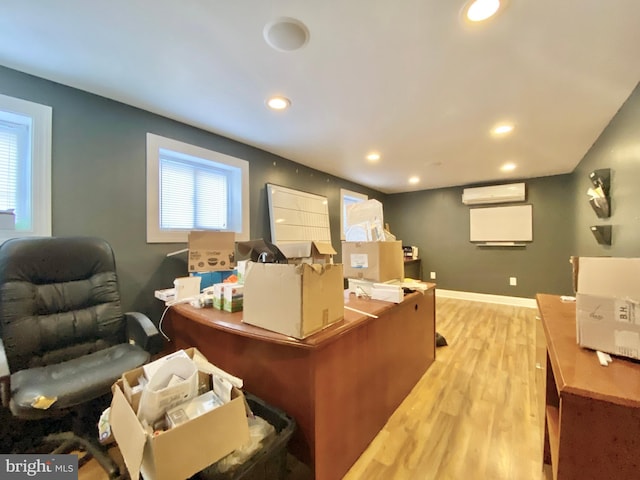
(59, 299)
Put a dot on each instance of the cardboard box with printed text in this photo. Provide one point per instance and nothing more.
(608, 304)
(375, 261)
(211, 251)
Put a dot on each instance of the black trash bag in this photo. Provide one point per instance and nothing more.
(260, 251)
(440, 340)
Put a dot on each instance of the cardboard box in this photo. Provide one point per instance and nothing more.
(180, 452)
(241, 270)
(376, 261)
(295, 300)
(308, 252)
(608, 304)
(211, 251)
(218, 295)
(232, 297)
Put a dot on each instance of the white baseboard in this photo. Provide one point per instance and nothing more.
(488, 298)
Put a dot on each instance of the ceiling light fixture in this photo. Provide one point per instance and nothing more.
(502, 129)
(373, 157)
(413, 180)
(278, 103)
(480, 10)
(508, 167)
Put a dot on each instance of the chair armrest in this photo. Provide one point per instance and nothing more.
(5, 377)
(143, 332)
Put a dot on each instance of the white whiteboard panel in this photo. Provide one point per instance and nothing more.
(297, 216)
(501, 224)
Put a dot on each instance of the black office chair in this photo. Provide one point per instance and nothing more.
(63, 337)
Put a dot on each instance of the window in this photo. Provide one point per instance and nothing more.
(25, 168)
(192, 188)
(347, 198)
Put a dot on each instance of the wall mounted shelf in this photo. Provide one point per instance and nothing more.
(599, 194)
(602, 233)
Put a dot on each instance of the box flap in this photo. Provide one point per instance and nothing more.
(127, 431)
(609, 277)
(295, 249)
(324, 248)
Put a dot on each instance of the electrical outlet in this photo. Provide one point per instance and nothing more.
(513, 281)
(432, 275)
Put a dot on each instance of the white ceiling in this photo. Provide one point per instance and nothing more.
(404, 77)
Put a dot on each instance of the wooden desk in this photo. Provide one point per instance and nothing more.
(341, 384)
(592, 428)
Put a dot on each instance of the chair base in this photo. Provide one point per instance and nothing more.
(68, 442)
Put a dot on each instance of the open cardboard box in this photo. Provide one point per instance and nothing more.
(295, 300)
(182, 451)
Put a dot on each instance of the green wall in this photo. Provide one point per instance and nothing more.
(617, 148)
(98, 176)
(99, 183)
(437, 222)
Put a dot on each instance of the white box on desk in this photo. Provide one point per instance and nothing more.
(607, 304)
(294, 300)
(360, 287)
(387, 292)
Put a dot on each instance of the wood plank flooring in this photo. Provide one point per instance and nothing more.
(474, 415)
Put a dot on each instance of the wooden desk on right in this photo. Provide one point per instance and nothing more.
(592, 428)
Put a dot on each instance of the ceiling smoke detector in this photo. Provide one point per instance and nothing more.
(286, 34)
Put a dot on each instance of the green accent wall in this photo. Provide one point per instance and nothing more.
(617, 148)
(437, 222)
(99, 180)
(99, 188)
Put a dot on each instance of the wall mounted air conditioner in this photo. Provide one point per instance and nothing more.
(514, 192)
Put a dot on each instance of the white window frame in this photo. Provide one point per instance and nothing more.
(344, 193)
(41, 121)
(238, 208)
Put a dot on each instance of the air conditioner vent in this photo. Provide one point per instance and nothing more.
(514, 192)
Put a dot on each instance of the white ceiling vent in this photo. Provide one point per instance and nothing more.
(514, 192)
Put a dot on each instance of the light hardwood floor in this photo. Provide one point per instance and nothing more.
(476, 412)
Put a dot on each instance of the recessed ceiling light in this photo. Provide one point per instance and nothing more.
(278, 103)
(413, 180)
(373, 157)
(502, 129)
(479, 10)
(508, 167)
